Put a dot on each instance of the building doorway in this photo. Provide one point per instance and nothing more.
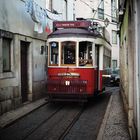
(24, 48)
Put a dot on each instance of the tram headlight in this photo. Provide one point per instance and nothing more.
(67, 83)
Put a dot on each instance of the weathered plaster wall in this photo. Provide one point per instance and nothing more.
(124, 54)
(14, 18)
(128, 66)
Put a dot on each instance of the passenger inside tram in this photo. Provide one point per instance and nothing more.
(68, 52)
(69, 58)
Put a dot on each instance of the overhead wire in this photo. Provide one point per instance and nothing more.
(95, 11)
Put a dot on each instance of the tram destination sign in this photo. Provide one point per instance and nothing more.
(71, 24)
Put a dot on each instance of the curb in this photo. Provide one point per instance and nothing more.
(10, 117)
(103, 125)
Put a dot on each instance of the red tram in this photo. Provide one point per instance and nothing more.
(77, 54)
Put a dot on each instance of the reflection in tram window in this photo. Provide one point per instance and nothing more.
(85, 53)
(68, 52)
(53, 53)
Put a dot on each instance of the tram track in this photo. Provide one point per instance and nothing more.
(29, 123)
(57, 125)
(42, 123)
(71, 125)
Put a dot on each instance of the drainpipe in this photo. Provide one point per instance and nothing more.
(137, 33)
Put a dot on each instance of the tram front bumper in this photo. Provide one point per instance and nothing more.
(67, 89)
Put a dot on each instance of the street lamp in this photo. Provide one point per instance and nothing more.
(106, 22)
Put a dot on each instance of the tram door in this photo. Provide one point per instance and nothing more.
(97, 63)
(24, 46)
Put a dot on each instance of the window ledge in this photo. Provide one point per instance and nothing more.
(6, 75)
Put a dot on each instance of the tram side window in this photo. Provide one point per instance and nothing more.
(85, 53)
(68, 52)
(53, 53)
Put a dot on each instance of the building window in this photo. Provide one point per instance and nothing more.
(6, 54)
(114, 64)
(114, 37)
(65, 10)
(101, 9)
(113, 11)
(49, 5)
(100, 13)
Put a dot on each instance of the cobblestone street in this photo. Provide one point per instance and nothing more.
(115, 123)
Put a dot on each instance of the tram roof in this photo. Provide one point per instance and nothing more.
(74, 32)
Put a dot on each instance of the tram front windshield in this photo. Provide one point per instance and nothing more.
(68, 53)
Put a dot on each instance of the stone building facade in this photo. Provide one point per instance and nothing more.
(22, 66)
(130, 62)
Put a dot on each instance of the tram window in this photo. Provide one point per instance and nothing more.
(68, 52)
(53, 53)
(85, 53)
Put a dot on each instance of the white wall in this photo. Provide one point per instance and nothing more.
(14, 18)
(83, 10)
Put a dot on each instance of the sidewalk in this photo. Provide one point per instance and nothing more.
(13, 115)
(114, 125)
